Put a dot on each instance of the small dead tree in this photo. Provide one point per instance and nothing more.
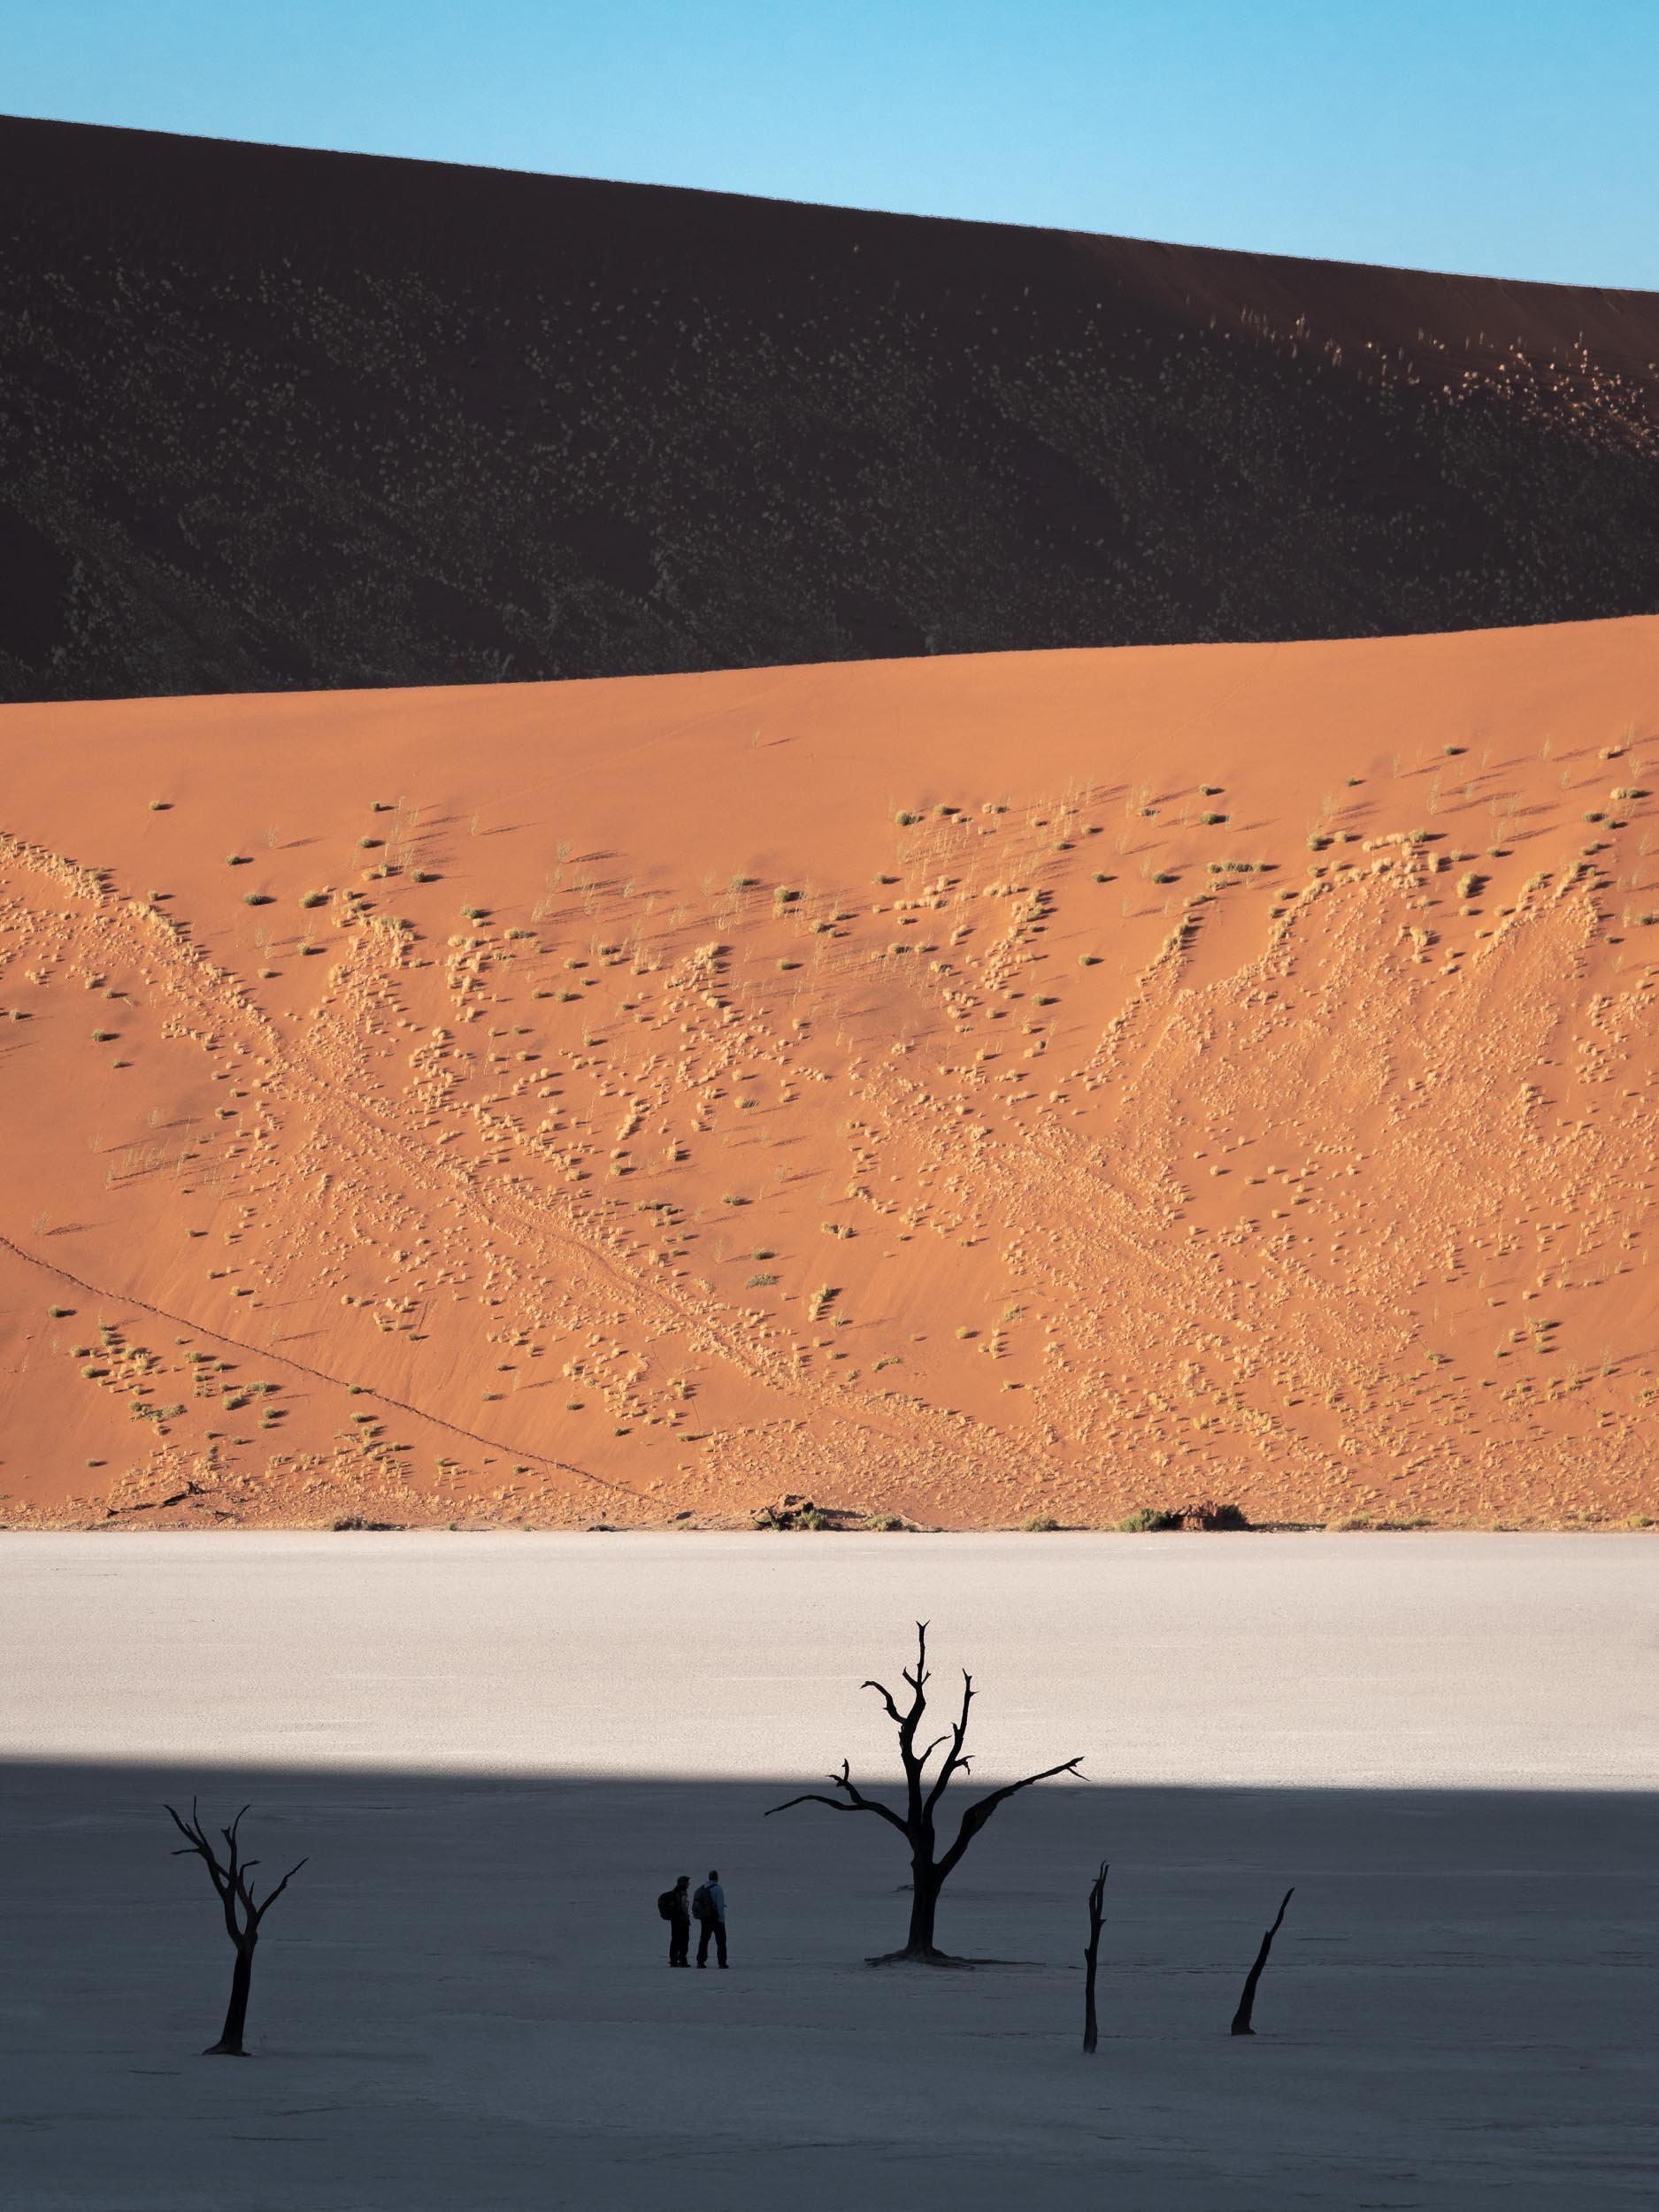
(244, 1913)
(1091, 1957)
(1247, 2001)
(930, 1869)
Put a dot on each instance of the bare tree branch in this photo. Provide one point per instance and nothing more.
(955, 1760)
(812, 1797)
(281, 1886)
(222, 1878)
(918, 1680)
(976, 1813)
(856, 1800)
(886, 1696)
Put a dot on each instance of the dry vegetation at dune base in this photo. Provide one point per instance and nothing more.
(1031, 1089)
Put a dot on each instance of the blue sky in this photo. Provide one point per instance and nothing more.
(1504, 137)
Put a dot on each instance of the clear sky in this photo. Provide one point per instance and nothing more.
(1506, 137)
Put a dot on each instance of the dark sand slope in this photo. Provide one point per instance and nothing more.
(274, 419)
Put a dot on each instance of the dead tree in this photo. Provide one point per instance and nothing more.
(930, 1869)
(244, 1913)
(1091, 1957)
(1246, 2002)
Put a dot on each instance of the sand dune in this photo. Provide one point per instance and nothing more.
(281, 419)
(960, 1090)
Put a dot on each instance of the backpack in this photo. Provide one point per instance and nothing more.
(667, 1904)
(702, 1903)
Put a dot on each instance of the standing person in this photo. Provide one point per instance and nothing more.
(709, 1905)
(675, 1907)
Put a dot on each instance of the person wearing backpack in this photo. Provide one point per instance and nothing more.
(674, 1905)
(709, 1910)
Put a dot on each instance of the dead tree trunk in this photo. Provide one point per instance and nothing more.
(229, 2044)
(925, 1886)
(930, 1868)
(1246, 2002)
(1091, 1958)
(244, 1913)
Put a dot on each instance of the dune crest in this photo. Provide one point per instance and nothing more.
(957, 1090)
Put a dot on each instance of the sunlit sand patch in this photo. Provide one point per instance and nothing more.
(1027, 1089)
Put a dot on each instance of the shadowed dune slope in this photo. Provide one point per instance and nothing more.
(963, 1090)
(277, 420)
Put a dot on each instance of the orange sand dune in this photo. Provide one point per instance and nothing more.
(963, 1090)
